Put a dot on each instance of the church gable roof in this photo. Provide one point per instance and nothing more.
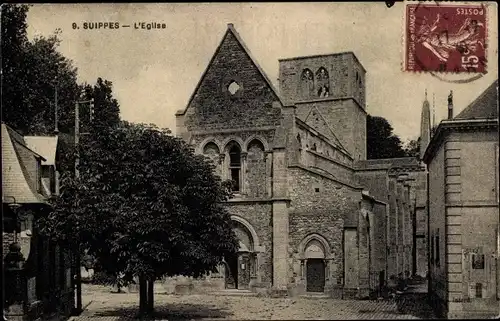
(230, 34)
(484, 106)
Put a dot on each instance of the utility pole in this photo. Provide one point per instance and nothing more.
(56, 116)
(78, 272)
(78, 278)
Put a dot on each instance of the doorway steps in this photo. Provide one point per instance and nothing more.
(234, 292)
(314, 295)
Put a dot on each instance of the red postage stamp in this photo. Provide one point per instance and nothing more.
(445, 38)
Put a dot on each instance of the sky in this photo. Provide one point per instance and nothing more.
(154, 72)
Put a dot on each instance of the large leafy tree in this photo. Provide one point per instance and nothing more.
(104, 114)
(106, 110)
(32, 73)
(14, 39)
(381, 140)
(144, 206)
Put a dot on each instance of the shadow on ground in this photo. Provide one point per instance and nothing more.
(171, 312)
(415, 304)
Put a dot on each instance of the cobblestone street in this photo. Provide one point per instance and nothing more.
(105, 306)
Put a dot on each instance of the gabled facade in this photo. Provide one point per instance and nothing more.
(462, 160)
(305, 220)
(38, 273)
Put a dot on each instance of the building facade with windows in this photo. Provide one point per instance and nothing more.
(462, 160)
(309, 210)
(38, 273)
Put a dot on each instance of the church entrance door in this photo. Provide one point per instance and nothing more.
(315, 275)
(231, 272)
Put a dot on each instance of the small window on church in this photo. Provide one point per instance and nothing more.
(233, 87)
(314, 147)
(322, 83)
(316, 189)
(307, 83)
(235, 166)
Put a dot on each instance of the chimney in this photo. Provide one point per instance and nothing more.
(230, 25)
(450, 105)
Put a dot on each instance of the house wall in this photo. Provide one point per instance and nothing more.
(437, 223)
(463, 205)
(472, 216)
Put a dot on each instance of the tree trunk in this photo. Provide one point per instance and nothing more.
(150, 300)
(143, 296)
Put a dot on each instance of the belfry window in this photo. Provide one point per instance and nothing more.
(235, 166)
(322, 83)
(307, 83)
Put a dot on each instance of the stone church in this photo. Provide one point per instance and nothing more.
(312, 214)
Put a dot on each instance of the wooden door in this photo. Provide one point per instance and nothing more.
(315, 275)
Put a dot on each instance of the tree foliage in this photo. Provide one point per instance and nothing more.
(412, 147)
(381, 140)
(106, 110)
(32, 70)
(144, 205)
(105, 114)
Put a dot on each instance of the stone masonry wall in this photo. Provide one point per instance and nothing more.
(213, 107)
(345, 113)
(327, 226)
(322, 206)
(291, 72)
(259, 215)
(378, 234)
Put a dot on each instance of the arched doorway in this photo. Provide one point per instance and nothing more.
(241, 265)
(315, 266)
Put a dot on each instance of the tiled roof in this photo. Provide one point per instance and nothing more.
(19, 173)
(484, 106)
(45, 146)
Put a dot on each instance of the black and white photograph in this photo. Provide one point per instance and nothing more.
(250, 161)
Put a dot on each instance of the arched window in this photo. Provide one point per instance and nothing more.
(235, 166)
(307, 82)
(322, 83)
